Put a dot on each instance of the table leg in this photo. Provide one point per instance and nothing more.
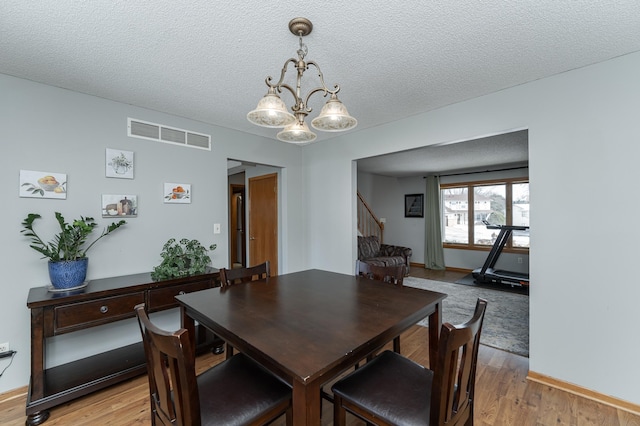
(307, 404)
(187, 322)
(435, 324)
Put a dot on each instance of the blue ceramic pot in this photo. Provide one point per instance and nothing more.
(68, 273)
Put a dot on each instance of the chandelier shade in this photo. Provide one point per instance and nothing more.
(298, 132)
(272, 111)
(334, 117)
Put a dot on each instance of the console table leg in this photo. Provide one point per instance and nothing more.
(37, 418)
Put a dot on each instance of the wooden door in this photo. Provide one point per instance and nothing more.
(263, 221)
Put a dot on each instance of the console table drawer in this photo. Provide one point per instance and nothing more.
(164, 298)
(95, 312)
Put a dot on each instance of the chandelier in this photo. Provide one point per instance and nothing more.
(272, 111)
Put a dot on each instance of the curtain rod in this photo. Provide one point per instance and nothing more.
(482, 171)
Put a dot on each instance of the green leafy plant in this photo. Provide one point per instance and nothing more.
(181, 259)
(69, 243)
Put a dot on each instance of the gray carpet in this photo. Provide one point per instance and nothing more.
(506, 322)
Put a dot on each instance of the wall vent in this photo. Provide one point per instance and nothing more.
(158, 132)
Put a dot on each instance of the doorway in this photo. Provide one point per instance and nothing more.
(237, 226)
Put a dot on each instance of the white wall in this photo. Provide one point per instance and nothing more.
(582, 143)
(49, 129)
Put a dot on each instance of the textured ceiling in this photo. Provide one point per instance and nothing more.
(484, 154)
(208, 60)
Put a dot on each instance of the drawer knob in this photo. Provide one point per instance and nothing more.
(104, 309)
(181, 292)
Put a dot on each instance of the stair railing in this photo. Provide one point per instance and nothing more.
(368, 222)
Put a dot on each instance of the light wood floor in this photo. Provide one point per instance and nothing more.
(503, 394)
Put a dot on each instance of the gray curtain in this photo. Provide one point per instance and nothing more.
(433, 252)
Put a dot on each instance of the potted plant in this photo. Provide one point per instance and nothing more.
(67, 251)
(181, 259)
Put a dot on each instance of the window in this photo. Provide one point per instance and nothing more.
(467, 207)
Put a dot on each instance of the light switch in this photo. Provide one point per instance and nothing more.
(216, 228)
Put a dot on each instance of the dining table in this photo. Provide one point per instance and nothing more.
(308, 327)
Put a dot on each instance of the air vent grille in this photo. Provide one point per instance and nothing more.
(144, 130)
(172, 135)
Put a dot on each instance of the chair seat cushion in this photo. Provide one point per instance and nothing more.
(392, 387)
(386, 261)
(237, 391)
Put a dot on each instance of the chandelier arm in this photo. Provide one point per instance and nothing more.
(282, 73)
(290, 89)
(326, 89)
(316, 90)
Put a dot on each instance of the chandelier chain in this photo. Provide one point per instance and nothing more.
(302, 51)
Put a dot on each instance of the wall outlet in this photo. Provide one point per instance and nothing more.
(519, 260)
(4, 347)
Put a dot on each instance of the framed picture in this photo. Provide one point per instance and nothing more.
(119, 164)
(35, 184)
(119, 205)
(414, 205)
(177, 193)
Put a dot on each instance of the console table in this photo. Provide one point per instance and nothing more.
(101, 302)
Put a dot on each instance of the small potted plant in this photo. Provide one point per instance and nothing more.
(181, 259)
(67, 251)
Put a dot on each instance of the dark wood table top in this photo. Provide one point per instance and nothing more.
(308, 327)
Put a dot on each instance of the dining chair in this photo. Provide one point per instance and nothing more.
(229, 277)
(235, 392)
(392, 390)
(242, 275)
(388, 274)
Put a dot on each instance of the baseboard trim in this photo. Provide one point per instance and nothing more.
(584, 392)
(463, 270)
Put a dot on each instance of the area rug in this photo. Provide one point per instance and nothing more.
(469, 280)
(506, 321)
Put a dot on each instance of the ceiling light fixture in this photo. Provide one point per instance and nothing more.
(272, 111)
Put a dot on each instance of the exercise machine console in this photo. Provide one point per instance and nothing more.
(487, 274)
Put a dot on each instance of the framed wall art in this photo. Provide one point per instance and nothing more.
(119, 205)
(414, 205)
(35, 184)
(119, 164)
(179, 193)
